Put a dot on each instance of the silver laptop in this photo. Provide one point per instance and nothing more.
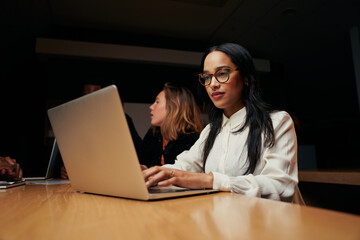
(11, 184)
(98, 151)
(54, 165)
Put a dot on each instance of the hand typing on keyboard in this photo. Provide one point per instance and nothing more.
(166, 176)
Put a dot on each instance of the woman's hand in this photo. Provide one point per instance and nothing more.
(143, 167)
(167, 176)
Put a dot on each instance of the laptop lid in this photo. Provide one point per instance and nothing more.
(97, 149)
(53, 167)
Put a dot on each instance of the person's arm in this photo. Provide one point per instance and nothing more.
(275, 177)
(168, 176)
(10, 169)
(151, 149)
(187, 171)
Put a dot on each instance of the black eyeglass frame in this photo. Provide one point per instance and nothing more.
(230, 70)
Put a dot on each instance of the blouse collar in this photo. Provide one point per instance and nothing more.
(235, 120)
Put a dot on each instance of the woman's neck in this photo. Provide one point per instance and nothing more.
(230, 111)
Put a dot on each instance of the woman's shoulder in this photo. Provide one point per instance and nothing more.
(279, 114)
(280, 117)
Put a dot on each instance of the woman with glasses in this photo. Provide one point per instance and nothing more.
(175, 126)
(248, 147)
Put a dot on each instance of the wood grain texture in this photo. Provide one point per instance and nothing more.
(57, 212)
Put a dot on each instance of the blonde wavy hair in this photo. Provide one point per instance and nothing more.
(183, 114)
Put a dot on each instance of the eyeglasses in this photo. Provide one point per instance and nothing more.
(221, 75)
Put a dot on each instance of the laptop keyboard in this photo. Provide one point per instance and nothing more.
(166, 189)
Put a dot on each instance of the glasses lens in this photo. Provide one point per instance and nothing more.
(205, 79)
(222, 75)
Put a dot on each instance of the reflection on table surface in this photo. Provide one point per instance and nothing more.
(55, 211)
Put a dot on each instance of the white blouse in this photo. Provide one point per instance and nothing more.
(276, 173)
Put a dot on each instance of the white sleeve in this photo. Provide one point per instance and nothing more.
(275, 176)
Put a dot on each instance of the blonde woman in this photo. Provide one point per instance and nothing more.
(175, 126)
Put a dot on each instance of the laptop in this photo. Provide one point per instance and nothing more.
(11, 184)
(54, 165)
(97, 149)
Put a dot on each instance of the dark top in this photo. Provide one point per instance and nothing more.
(152, 148)
(134, 134)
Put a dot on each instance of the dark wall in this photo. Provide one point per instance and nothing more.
(136, 82)
(337, 197)
(23, 91)
(318, 88)
(323, 95)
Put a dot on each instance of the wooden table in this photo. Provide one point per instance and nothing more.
(348, 177)
(55, 211)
